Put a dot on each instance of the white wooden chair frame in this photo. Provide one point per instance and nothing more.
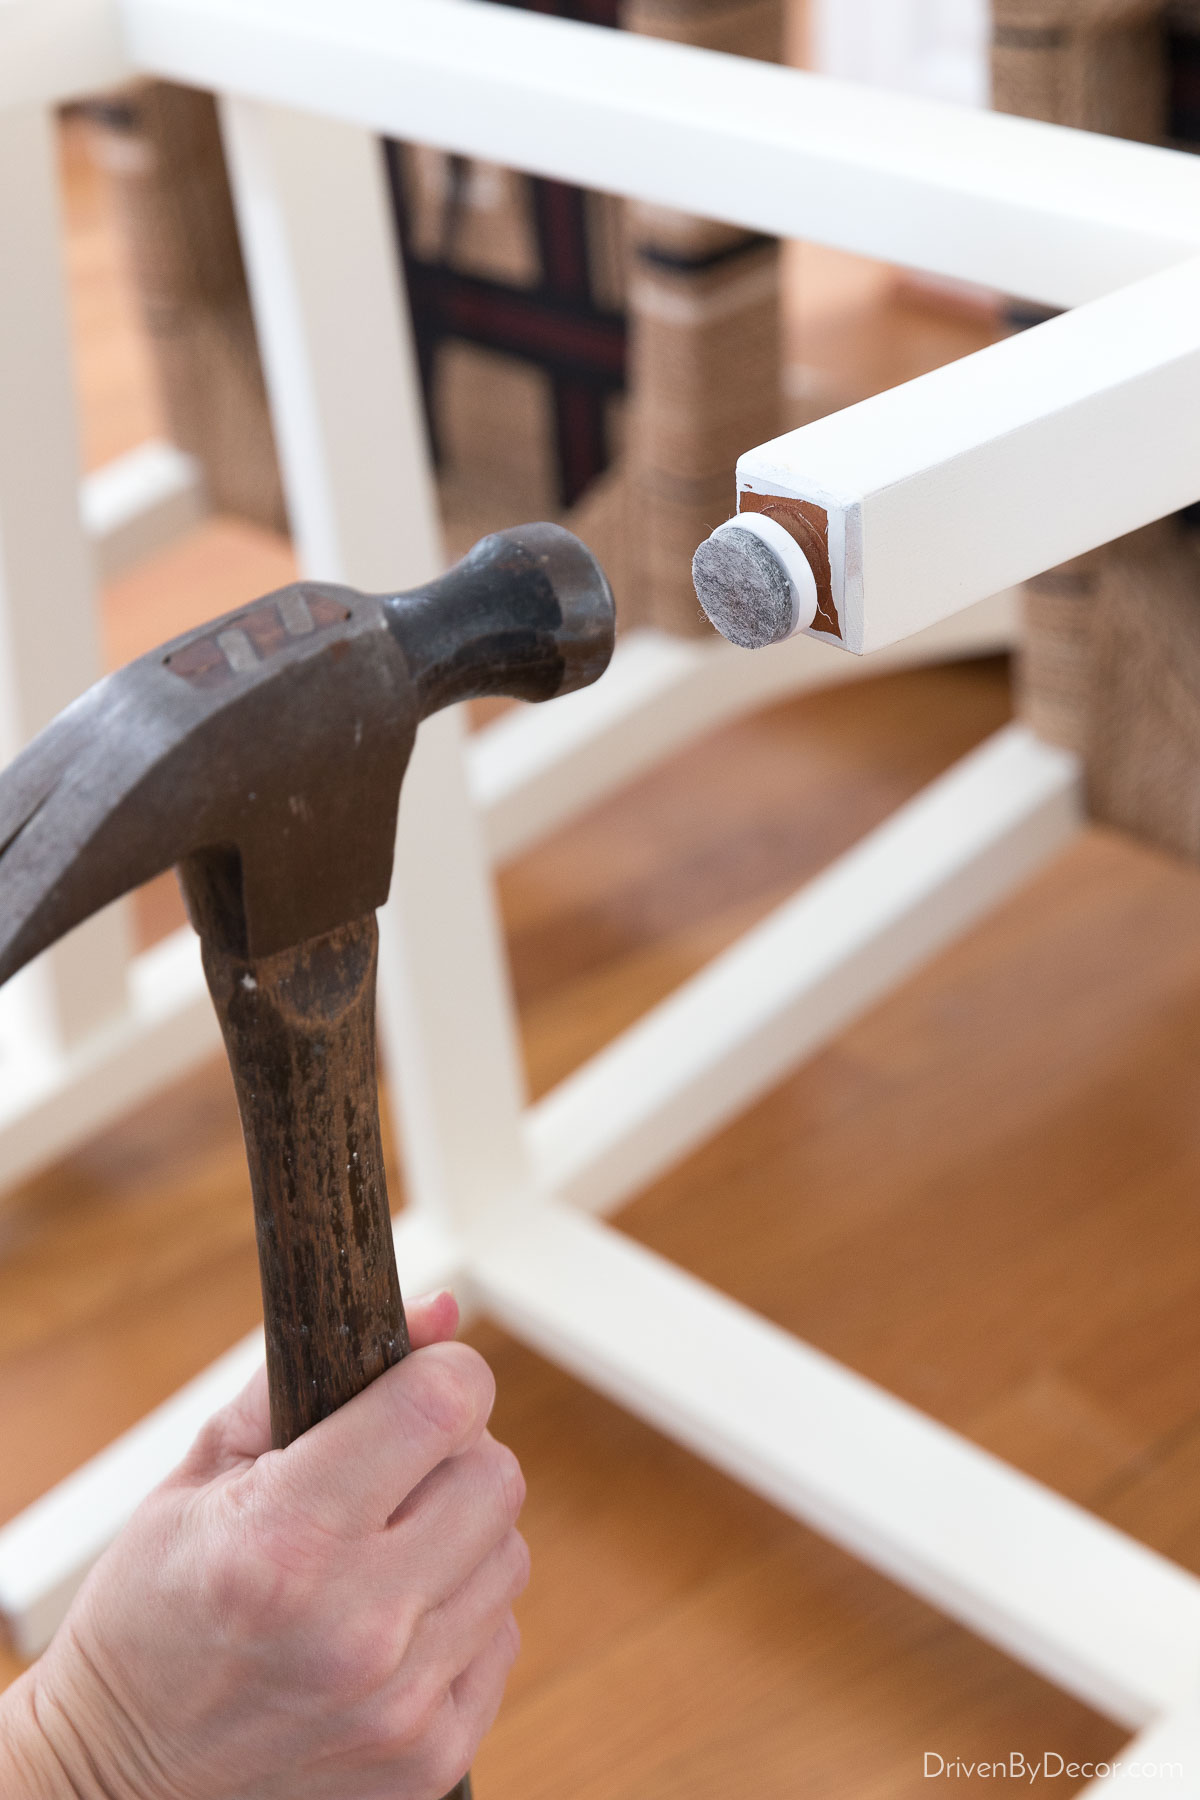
(938, 495)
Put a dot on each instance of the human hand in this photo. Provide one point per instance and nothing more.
(331, 1621)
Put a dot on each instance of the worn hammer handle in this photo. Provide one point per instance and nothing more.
(300, 1032)
(299, 1029)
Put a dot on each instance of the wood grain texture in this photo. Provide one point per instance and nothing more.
(299, 1028)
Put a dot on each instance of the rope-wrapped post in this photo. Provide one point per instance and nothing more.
(705, 342)
(1097, 65)
(1111, 670)
(1110, 660)
(162, 144)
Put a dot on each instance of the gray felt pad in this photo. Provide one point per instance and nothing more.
(743, 588)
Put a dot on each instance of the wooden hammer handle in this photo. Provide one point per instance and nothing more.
(299, 1028)
(300, 1031)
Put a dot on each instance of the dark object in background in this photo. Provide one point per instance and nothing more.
(162, 144)
(558, 324)
(1182, 21)
(1182, 25)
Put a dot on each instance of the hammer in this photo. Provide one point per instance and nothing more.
(262, 754)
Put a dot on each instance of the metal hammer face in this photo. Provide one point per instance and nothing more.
(264, 752)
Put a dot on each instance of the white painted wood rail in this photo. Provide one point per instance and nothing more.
(1005, 463)
(43, 547)
(936, 491)
(1032, 209)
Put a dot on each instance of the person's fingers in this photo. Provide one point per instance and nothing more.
(467, 1710)
(353, 1469)
(451, 1636)
(241, 1431)
(478, 1691)
(432, 1319)
(457, 1515)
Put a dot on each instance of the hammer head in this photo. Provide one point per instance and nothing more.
(265, 750)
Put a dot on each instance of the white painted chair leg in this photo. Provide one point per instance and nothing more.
(446, 1010)
(346, 402)
(332, 321)
(49, 633)
(1163, 1760)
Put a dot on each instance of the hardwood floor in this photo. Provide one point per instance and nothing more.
(983, 1195)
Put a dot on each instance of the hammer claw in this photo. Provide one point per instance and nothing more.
(275, 739)
(36, 771)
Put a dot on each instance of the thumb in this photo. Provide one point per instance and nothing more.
(241, 1432)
